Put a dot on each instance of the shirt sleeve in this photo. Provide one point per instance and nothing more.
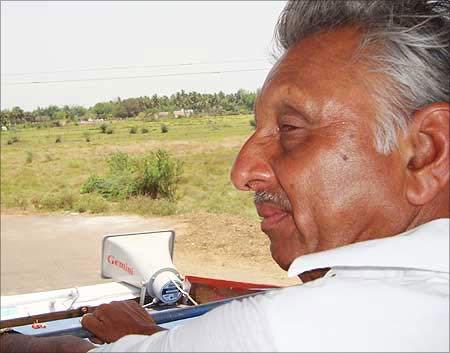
(241, 325)
(365, 311)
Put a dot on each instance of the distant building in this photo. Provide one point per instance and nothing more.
(87, 122)
(161, 115)
(4, 128)
(183, 112)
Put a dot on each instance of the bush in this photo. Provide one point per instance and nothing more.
(92, 184)
(109, 130)
(252, 123)
(12, 140)
(111, 187)
(164, 128)
(103, 128)
(58, 139)
(133, 130)
(119, 162)
(144, 130)
(55, 201)
(29, 157)
(156, 175)
(56, 123)
(91, 203)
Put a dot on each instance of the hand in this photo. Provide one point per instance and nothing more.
(12, 343)
(109, 322)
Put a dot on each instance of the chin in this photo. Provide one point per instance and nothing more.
(285, 255)
(283, 261)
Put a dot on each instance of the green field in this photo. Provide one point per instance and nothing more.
(40, 174)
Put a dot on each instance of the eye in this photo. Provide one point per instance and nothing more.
(290, 123)
(287, 127)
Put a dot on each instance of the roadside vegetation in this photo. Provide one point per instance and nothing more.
(139, 166)
(155, 175)
(145, 108)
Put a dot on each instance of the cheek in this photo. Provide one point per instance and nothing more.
(335, 188)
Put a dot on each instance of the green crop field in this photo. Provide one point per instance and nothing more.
(43, 169)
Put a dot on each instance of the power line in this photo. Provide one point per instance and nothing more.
(128, 67)
(132, 77)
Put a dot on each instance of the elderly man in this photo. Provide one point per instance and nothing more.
(349, 164)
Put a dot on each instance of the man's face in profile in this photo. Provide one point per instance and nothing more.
(318, 179)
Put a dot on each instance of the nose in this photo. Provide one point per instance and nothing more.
(252, 170)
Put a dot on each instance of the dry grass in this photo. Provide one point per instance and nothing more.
(51, 181)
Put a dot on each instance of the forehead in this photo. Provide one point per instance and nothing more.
(323, 66)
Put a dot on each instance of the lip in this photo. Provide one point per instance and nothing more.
(271, 214)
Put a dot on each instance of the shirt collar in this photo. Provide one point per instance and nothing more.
(425, 247)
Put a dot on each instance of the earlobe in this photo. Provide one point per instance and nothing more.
(428, 166)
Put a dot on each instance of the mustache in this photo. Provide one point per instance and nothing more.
(279, 199)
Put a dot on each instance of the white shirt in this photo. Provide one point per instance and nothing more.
(389, 294)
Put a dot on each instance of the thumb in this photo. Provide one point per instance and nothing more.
(90, 323)
(93, 325)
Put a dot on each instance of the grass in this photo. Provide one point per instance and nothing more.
(38, 174)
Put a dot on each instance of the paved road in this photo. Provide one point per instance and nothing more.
(44, 252)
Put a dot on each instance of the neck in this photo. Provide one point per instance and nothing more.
(435, 209)
(313, 274)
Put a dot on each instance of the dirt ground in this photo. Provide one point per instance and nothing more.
(46, 252)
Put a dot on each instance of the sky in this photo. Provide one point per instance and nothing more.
(176, 44)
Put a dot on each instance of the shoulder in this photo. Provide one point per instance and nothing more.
(361, 314)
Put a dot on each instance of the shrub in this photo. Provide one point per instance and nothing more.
(56, 123)
(109, 130)
(103, 128)
(91, 203)
(156, 175)
(119, 162)
(29, 157)
(111, 187)
(92, 184)
(21, 202)
(58, 139)
(252, 123)
(144, 130)
(55, 201)
(133, 130)
(12, 140)
(164, 128)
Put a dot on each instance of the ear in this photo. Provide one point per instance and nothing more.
(428, 153)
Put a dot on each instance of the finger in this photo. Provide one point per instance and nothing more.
(91, 323)
(85, 318)
(101, 309)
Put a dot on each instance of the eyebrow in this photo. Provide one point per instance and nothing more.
(290, 107)
(289, 103)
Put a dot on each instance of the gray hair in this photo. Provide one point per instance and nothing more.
(414, 40)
